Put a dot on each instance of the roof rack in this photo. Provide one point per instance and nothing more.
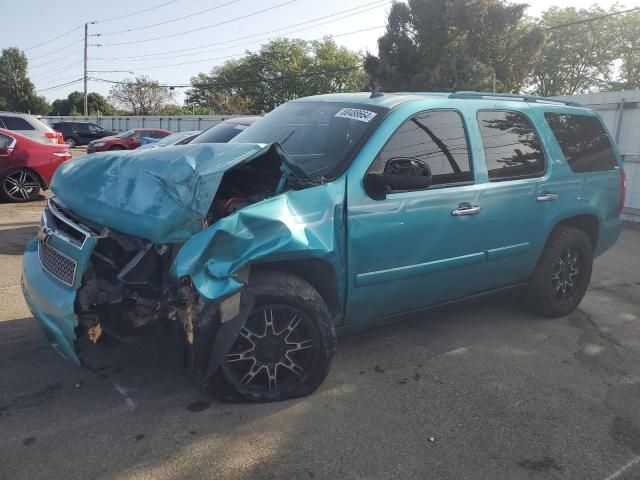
(510, 96)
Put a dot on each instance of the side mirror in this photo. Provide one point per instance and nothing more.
(400, 174)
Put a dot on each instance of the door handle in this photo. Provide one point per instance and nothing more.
(547, 197)
(465, 209)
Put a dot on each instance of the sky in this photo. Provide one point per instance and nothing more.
(51, 35)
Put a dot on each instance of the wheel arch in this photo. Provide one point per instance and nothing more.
(587, 222)
(319, 273)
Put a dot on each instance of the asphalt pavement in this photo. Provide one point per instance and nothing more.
(480, 391)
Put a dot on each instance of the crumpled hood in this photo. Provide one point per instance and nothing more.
(161, 194)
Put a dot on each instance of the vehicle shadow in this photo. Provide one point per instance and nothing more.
(135, 411)
(13, 240)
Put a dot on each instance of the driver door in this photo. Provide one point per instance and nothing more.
(421, 246)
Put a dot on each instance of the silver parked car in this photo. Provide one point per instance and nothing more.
(173, 139)
(29, 126)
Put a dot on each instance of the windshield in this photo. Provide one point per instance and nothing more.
(318, 136)
(126, 134)
(220, 133)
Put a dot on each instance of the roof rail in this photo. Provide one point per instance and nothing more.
(510, 96)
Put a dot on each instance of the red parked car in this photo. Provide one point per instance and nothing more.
(128, 140)
(27, 165)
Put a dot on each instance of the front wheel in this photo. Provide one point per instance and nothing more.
(285, 347)
(562, 275)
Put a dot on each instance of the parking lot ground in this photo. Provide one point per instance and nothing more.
(479, 391)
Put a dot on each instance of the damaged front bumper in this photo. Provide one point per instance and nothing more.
(51, 303)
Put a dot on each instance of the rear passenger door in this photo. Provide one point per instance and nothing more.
(519, 196)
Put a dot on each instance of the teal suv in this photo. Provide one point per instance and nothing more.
(332, 211)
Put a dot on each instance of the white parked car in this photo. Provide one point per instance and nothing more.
(174, 139)
(29, 126)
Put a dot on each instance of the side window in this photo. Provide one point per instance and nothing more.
(437, 138)
(583, 142)
(82, 128)
(16, 123)
(5, 141)
(139, 134)
(95, 128)
(511, 146)
(158, 134)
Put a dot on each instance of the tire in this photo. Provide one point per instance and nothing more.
(71, 142)
(117, 147)
(560, 280)
(19, 185)
(285, 348)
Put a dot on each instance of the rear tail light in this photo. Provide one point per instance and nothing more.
(623, 188)
(54, 137)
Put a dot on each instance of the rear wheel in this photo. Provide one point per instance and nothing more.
(285, 347)
(71, 142)
(562, 275)
(19, 185)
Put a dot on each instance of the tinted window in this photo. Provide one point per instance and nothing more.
(82, 127)
(437, 138)
(5, 140)
(511, 147)
(16, 123)
(220, 133)
(95, 128)
(583, 142)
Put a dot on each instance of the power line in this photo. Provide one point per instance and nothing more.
(54, 38)
(136, 13)
(240, 45)
(66, 55)
(203, 28)
(247, 81)
(59, 49)
(61, 85)
(592, 19)
(372, 5)
(168, 21)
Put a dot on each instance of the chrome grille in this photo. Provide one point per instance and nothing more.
(57, 264)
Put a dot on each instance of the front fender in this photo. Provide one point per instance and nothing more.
(303, 224)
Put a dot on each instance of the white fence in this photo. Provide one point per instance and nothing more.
(176, 123)
(621, 112)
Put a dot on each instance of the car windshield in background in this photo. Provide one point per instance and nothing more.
(126, 134)
(318, 136)
(174, 138)
(220, 133)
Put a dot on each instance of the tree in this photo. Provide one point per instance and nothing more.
(576, 58)
(16, 90)
(141, 96)
(455, 45)
(627, 28)
(74, 104)
(282, 70)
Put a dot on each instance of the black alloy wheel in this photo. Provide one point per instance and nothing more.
(20, 185)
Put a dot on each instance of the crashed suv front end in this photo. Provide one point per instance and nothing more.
(168, 237)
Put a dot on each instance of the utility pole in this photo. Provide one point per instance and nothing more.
(86, 41)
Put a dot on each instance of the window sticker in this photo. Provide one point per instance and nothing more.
(356, 114)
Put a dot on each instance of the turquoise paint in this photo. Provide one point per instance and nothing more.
(389, 256)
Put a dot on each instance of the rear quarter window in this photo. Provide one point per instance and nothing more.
(583, 141)
(16, 123)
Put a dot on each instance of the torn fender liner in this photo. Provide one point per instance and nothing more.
(161, 194)
(224, 338)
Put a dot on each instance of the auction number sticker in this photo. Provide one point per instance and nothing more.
(356, 114)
